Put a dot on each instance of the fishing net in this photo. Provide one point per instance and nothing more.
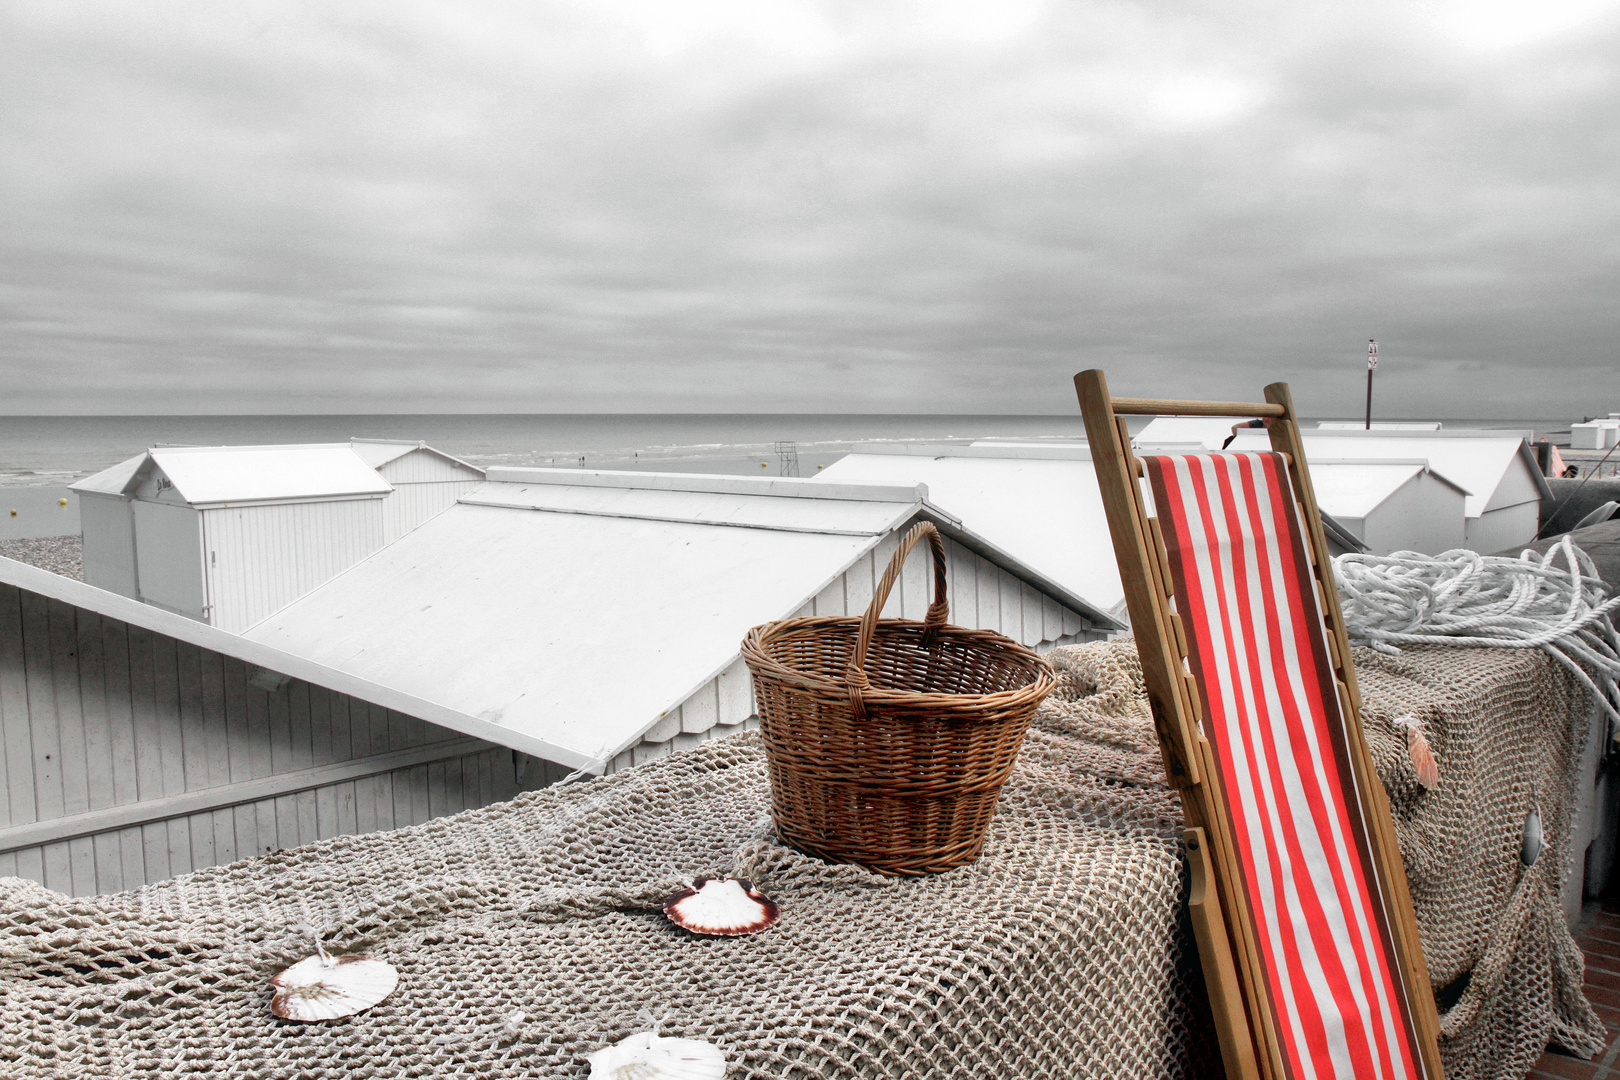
(527, 934)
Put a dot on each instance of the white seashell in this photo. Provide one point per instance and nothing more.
(650, 1056)
(322, 987)
(724, 907)
(1534, 839)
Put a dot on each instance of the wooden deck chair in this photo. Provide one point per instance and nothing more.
(1298, 898)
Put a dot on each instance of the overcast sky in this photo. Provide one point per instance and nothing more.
(765, 205)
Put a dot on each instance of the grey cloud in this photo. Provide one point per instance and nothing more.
(468, 208)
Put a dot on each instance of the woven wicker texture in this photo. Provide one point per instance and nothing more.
(1060, 953)
(888, 740)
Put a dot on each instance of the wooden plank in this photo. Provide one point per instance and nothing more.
(989, 578)
(881, 554)
(701, 711)
(735, 687)
(858, 584)
(321, 753)
(916, 583)
(166, 710)
(120, 710)
(1215, 957)
(1034, 603)
(46, 741)
(1012, 604)
(148, 747)
(93, 710)
(195, 738)
(217, 747)
(64, 659)
(1169, 407)
(16, 732)
(830, 601)
(964, 592)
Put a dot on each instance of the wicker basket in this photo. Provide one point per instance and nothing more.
(888, 740)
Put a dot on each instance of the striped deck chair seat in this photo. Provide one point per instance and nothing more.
(1271, 711)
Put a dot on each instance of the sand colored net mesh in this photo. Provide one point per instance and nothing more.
(527, 934)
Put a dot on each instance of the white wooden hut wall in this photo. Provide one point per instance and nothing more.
(412, 503)
(127, 756)
(261, 558)
(982, 596)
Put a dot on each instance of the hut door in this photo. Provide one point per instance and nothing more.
(168, 552)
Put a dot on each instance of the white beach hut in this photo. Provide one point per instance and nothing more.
(1392, 505)
(229, 534)
(594, 619)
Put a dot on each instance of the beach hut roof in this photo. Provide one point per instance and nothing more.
(119, 479)
(379, 452)
(1036, 499)
(1354, 488)
(212, 475)
(570, 610)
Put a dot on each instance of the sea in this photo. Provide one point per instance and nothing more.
(38, 451)
(41, 455)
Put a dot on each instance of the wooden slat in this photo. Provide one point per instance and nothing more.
(1170, 407)
(47, 748)
(700, 711)
(1215, 956)
(212, 799)
(16, 735)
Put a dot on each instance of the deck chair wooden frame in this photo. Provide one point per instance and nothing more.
(1250, 1019)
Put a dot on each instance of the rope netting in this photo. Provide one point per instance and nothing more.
(1555, 602)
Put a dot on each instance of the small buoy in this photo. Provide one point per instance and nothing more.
(61, 502)
(1534, 840)
(14, 513)
(763, 465)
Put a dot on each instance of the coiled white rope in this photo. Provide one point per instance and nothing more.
(1463, 598)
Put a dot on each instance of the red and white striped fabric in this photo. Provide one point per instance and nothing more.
(1257, 651)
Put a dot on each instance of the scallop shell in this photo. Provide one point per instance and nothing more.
(322, 987)
(723, 907)
(650, 1056)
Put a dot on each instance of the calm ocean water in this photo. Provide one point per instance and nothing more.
(56, 450)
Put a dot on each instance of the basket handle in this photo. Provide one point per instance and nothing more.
(855, 681)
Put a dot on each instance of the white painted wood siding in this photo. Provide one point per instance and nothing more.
(413, 503)
(425, 467)
(109, 543)
(982, 597)
(259, 559)
(168, 558)
(97, 714)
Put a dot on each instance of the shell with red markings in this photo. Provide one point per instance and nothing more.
(323, 987)
(722, 907)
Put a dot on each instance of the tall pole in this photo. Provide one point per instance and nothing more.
(1372, 366)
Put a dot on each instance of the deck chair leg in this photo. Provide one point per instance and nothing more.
(1215, 957)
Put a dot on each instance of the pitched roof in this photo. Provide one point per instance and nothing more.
(1037, 500)
(573, 609)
